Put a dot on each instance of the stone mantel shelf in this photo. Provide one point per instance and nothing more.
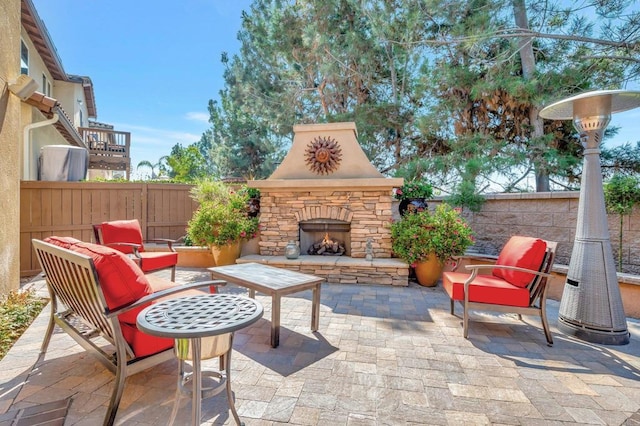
(368, 184)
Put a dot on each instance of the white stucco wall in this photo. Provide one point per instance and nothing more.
(68, 95)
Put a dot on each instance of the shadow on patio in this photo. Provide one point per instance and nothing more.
(383, 355)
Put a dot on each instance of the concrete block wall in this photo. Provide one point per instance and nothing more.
(550, 216)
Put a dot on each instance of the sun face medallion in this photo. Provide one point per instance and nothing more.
(323, 155)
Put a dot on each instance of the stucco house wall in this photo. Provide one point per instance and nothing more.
(10, 160)
(68, 95)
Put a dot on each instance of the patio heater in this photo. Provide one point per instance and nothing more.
(591, 307)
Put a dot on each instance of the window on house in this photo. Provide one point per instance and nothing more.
(46, 86)
(24, 58)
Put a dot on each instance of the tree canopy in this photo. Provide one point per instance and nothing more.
(448, 90)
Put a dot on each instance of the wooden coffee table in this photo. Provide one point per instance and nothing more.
(276, 282)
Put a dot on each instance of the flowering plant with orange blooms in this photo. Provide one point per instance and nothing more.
(442, 232)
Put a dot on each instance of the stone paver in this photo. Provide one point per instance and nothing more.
(383, 356)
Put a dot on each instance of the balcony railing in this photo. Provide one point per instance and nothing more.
(108, 149)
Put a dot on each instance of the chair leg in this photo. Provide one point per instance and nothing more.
(173, 274)
(545, 326)
(118, 388)
(465, 322)
(49, 332)
(452, 305)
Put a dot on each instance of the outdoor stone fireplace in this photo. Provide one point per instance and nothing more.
(326, 185)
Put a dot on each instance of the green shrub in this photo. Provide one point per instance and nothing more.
(17, 312)
(222, 217)
(443, 232)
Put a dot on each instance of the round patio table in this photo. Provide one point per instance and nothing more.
(194, 318)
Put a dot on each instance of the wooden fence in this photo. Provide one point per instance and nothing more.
(70, 208)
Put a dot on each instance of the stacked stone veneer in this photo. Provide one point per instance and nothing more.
(368, 212)
(341, 269)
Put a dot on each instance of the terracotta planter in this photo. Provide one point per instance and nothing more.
(428, 272)
(194, 256)
(226, 255)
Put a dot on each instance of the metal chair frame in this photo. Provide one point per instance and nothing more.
(75, 292)
(537, 293)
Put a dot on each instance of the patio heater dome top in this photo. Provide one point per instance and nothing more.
(621, 100)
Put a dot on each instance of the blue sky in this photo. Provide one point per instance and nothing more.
(156, 64)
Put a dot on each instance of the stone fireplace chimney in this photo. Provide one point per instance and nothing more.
(326, 179)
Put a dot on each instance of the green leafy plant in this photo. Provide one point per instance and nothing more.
(621, 193)
(414, 189)
(222, 217)
(17, 311)
(443, 232)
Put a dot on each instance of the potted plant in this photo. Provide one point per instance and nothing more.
(426, 240)
(621, 193)
(222, 220)
(413, 195)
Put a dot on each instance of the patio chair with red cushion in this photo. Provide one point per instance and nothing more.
(517, 283)
(126, 236)
(96, 294)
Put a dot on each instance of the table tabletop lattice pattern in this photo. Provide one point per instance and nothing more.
(201, 315)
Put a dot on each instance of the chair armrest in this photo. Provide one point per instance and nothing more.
(476, 268)
(166, 241)
(160, 294)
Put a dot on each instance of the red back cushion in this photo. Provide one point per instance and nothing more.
(122, 231)
(64, 242)
(121, 280)
(523, 252)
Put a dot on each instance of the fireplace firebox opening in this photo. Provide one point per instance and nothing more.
(325, 237)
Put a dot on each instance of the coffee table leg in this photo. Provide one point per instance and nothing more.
(315, 309)
(275, 320)
(196, 398)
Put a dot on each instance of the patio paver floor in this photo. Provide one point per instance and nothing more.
(383, 356)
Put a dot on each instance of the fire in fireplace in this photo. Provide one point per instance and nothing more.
(325, 237)
(327, 247)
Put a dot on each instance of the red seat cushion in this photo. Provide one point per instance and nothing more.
(121, 280)
(523, 252)
(154, 260)
(485, 289)
(122, 231)
(64, 242)
(144, 344)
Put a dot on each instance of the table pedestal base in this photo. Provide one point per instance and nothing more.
(195, 389)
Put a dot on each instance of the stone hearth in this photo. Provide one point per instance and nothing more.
(326, 176)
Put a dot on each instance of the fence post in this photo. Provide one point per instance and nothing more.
(144, 216)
